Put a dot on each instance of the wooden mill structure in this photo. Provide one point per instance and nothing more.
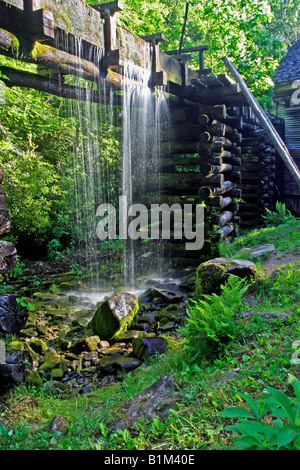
(219, 153)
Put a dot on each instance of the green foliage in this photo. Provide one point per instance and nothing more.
(22, 303)
(18, 269)
(280, 432)
(280, 216)
(49, 147)
(285, 237)
(211, 323)
(35, 152)
(250, 34)
(284, 285)
(54, 248)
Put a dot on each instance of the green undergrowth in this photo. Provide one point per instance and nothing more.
(247, 359)
(285, 237)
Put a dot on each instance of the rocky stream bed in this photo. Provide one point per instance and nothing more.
(71, 338)
(56, 343)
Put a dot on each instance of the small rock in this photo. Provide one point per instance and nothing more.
(261, 250)
(251, 313)
(90, 343)
(142, 348)
(145, 403)
(34, 379)
(38, 346)
(110, 364)
(58, 425)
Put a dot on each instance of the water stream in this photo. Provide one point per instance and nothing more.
(144, 118)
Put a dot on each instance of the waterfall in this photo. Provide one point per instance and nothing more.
(94, 178)
(145, 117)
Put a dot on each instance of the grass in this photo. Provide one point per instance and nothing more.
(285, 238)
(259, 356)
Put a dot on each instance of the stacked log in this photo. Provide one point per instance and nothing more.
(8, 253)
(257, 170)
(201, 165)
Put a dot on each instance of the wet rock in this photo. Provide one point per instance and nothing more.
(71, 376)
(11, 373)
(114, 316)
(13, 316)
(166, 296)
(110, 364)
(129, 335)
(38, 345)
(90, 343)
(214, 273)
(167, 326)
(16, 368)
(34, 379)
(52, 365)
(112, 351)
(142, 348)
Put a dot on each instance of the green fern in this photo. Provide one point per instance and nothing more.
(280, 216)
(211, 320)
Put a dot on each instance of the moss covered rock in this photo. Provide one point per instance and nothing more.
(38, 345)
(114, 315)
(214, 273)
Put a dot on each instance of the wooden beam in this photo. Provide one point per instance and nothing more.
(46, 56)
(266, 124)
(56, 87)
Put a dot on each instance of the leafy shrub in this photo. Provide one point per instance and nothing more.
(284, 285)
(211, 323)
(280, 216)
(281, 432)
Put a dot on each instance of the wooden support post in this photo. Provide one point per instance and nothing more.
(158, 77)
(107, 11)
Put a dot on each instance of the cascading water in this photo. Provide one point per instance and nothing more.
(95, 177)
(145, 118)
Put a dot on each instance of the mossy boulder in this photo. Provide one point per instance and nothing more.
(38, 345)
(114, 315)
(52, 362)
(89, 343)
(214, 273)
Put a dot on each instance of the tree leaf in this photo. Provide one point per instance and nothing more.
(285, 436)
(284, 402)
